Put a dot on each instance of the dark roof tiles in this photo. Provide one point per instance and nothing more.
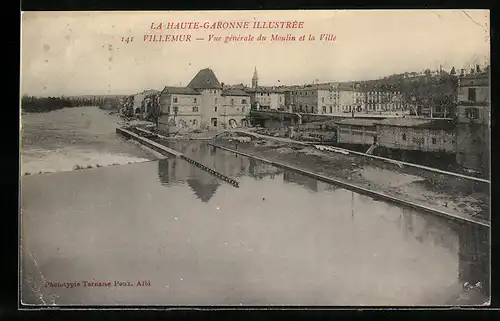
(179, 91)
(205, 79)
(233, 92)
(443, 124)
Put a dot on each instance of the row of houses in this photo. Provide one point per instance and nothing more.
(430, 94)
(466, 136)
(324, 99)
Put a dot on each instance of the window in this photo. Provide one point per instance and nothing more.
(434, 140)
(176, 109)
(322, 99)
(472, 94)
(195, 100)
(195, 109)
(243, 109)
(215, 100)
(331, 109)
(232, 101)
(437, 109)
(324, 109)
(472, 113)
(268, 94)
(404, 136)
(215, 108)
(175, 99)
(243, 101)
(194, 121)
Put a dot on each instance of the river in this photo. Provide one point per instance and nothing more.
(62, 139)
(183, 237)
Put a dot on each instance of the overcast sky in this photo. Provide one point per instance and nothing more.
(73, 53)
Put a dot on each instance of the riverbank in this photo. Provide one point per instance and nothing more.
(454, 195)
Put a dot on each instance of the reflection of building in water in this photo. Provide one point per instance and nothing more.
(470, 241)
(308, 182)
(173, 170)
(474, 256)
(204, 184)
(260, 170)
(229, 164)
(204, 190)
(426, 228)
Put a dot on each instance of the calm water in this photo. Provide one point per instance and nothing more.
(281, 238)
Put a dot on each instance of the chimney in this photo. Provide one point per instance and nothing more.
(462, 72)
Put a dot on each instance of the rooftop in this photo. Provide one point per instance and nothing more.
(233, 92)
(418, 123)
(358, 122)
(205, 79)
(179, 91)
(264, 89)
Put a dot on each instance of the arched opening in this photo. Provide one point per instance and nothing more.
(138, 110)
(233, 123)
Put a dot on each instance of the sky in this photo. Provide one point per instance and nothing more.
(80, 53)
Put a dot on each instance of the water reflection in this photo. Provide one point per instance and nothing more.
(469, 243)
(474, 256)
(308, 182)
(173, 171)
(229, 164)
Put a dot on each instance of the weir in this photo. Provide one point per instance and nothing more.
(166, 150)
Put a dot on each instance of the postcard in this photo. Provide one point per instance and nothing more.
(255, 158)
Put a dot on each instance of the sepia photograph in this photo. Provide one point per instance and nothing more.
(255, 158)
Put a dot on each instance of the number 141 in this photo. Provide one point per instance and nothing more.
(127, 39)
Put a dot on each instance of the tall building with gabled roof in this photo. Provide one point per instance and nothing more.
(203, 103)
(205, 79)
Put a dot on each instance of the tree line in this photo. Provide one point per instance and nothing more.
(45, 104)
